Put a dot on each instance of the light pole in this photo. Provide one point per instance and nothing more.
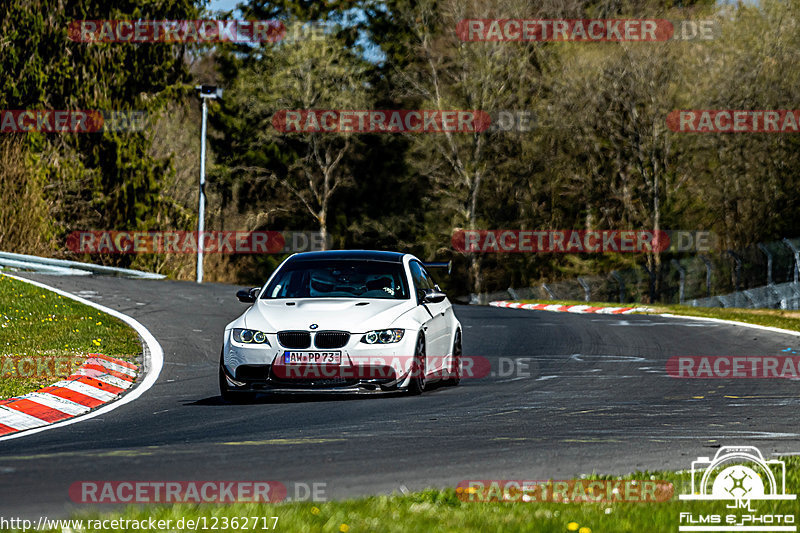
(206, 92)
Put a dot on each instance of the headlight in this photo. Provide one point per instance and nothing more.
(249, 336)
(383, 336)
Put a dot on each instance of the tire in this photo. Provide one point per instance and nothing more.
(455, 370)
(417, 384)
(227, 394)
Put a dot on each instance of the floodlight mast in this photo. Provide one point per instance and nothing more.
(206, 93)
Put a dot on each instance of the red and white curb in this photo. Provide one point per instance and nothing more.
(571, 308)
(103, 380)
(98, 380)
(626, 310)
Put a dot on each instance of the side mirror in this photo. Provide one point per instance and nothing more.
(433, 297)
(248, 296)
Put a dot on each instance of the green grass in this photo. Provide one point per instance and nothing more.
(764, 317)
(444, 511)
(43, 335)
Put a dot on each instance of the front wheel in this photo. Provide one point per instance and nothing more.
(417, 383)
(455, 368)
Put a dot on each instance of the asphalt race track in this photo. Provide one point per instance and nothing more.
(597, 399)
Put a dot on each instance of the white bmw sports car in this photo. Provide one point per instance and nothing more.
(342, 321)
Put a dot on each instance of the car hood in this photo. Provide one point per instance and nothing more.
(347, 314)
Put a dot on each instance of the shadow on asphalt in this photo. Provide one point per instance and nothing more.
(278, 398)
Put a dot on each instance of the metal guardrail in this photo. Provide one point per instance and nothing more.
(63, 267)
(766, 275)
(775, 296)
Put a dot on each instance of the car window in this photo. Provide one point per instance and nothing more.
(420, 276)
(429, 280)
(339, 279)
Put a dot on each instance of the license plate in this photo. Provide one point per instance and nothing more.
(312, 358)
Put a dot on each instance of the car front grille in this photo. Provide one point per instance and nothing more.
(297, 340)
(331, 339)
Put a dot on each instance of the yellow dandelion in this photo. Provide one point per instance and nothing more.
(584, 530)
(572, 526)
(344, 528)
(315, 510)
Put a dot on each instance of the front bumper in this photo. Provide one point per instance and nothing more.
(265, 378)
(365, 368)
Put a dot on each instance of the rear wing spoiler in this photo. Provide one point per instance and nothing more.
(441, 264)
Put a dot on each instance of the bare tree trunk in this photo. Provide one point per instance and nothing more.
(323, 230)
(475, 273)
(656, 228)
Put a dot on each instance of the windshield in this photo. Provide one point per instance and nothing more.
(339, 279)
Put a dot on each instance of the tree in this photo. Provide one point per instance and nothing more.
(485, 77)
(109, 179)
(612, 110)
(302, 75)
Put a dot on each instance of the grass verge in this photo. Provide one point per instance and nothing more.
(43, 336)
(446, 511)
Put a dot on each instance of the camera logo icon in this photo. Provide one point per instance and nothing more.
(738, 473)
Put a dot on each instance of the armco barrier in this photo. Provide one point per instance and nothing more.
(66, 267)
